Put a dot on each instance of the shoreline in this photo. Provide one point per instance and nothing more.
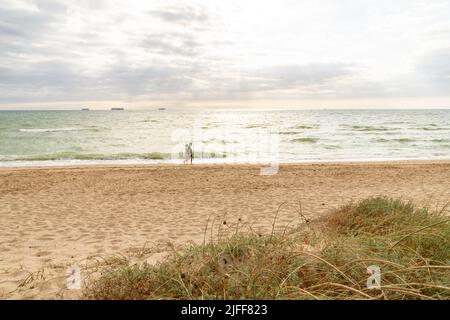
(179, 164)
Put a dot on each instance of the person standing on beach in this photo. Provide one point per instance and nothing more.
(191, 152)
(187, 154)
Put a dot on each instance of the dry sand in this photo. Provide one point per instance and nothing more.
(53, 217)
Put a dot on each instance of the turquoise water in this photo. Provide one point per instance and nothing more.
(92, 137)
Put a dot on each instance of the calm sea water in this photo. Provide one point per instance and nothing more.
(92, 137)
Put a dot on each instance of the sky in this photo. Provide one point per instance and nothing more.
(224, 54)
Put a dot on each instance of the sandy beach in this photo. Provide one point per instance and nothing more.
(53, 217)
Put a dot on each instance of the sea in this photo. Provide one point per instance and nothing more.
(59, 138)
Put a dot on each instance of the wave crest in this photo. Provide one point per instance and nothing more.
(40, 130)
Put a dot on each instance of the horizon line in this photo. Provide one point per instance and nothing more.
(233, 109)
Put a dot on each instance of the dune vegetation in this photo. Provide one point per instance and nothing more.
(323, 259)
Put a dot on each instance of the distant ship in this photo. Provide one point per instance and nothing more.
(84, 109)
(117, 109)
(161, 109)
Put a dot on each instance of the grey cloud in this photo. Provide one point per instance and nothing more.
(36, 64)
(146, 80)
(304, 75)
(55, 7)
(171, 44)
(50, 80)
(435, 69)
(54, 80)
(437, 65)
(296, 81)
(8, 30)
(43, 74)
(21, 23)
(31, 23)
(306, 78)
(181, 15)
(23, 33)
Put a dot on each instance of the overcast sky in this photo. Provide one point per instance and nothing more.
(224, 53)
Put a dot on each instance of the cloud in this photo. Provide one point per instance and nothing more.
(24, 23)
(436, 67)
(44, 81)
(50, 74)
(304, 75)
(304, 79)
(130, 81)
(171, 44)
(59, 81)
(101, 50)
(181, 15)
(8, 30)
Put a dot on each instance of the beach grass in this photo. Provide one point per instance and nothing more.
(323, 259)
